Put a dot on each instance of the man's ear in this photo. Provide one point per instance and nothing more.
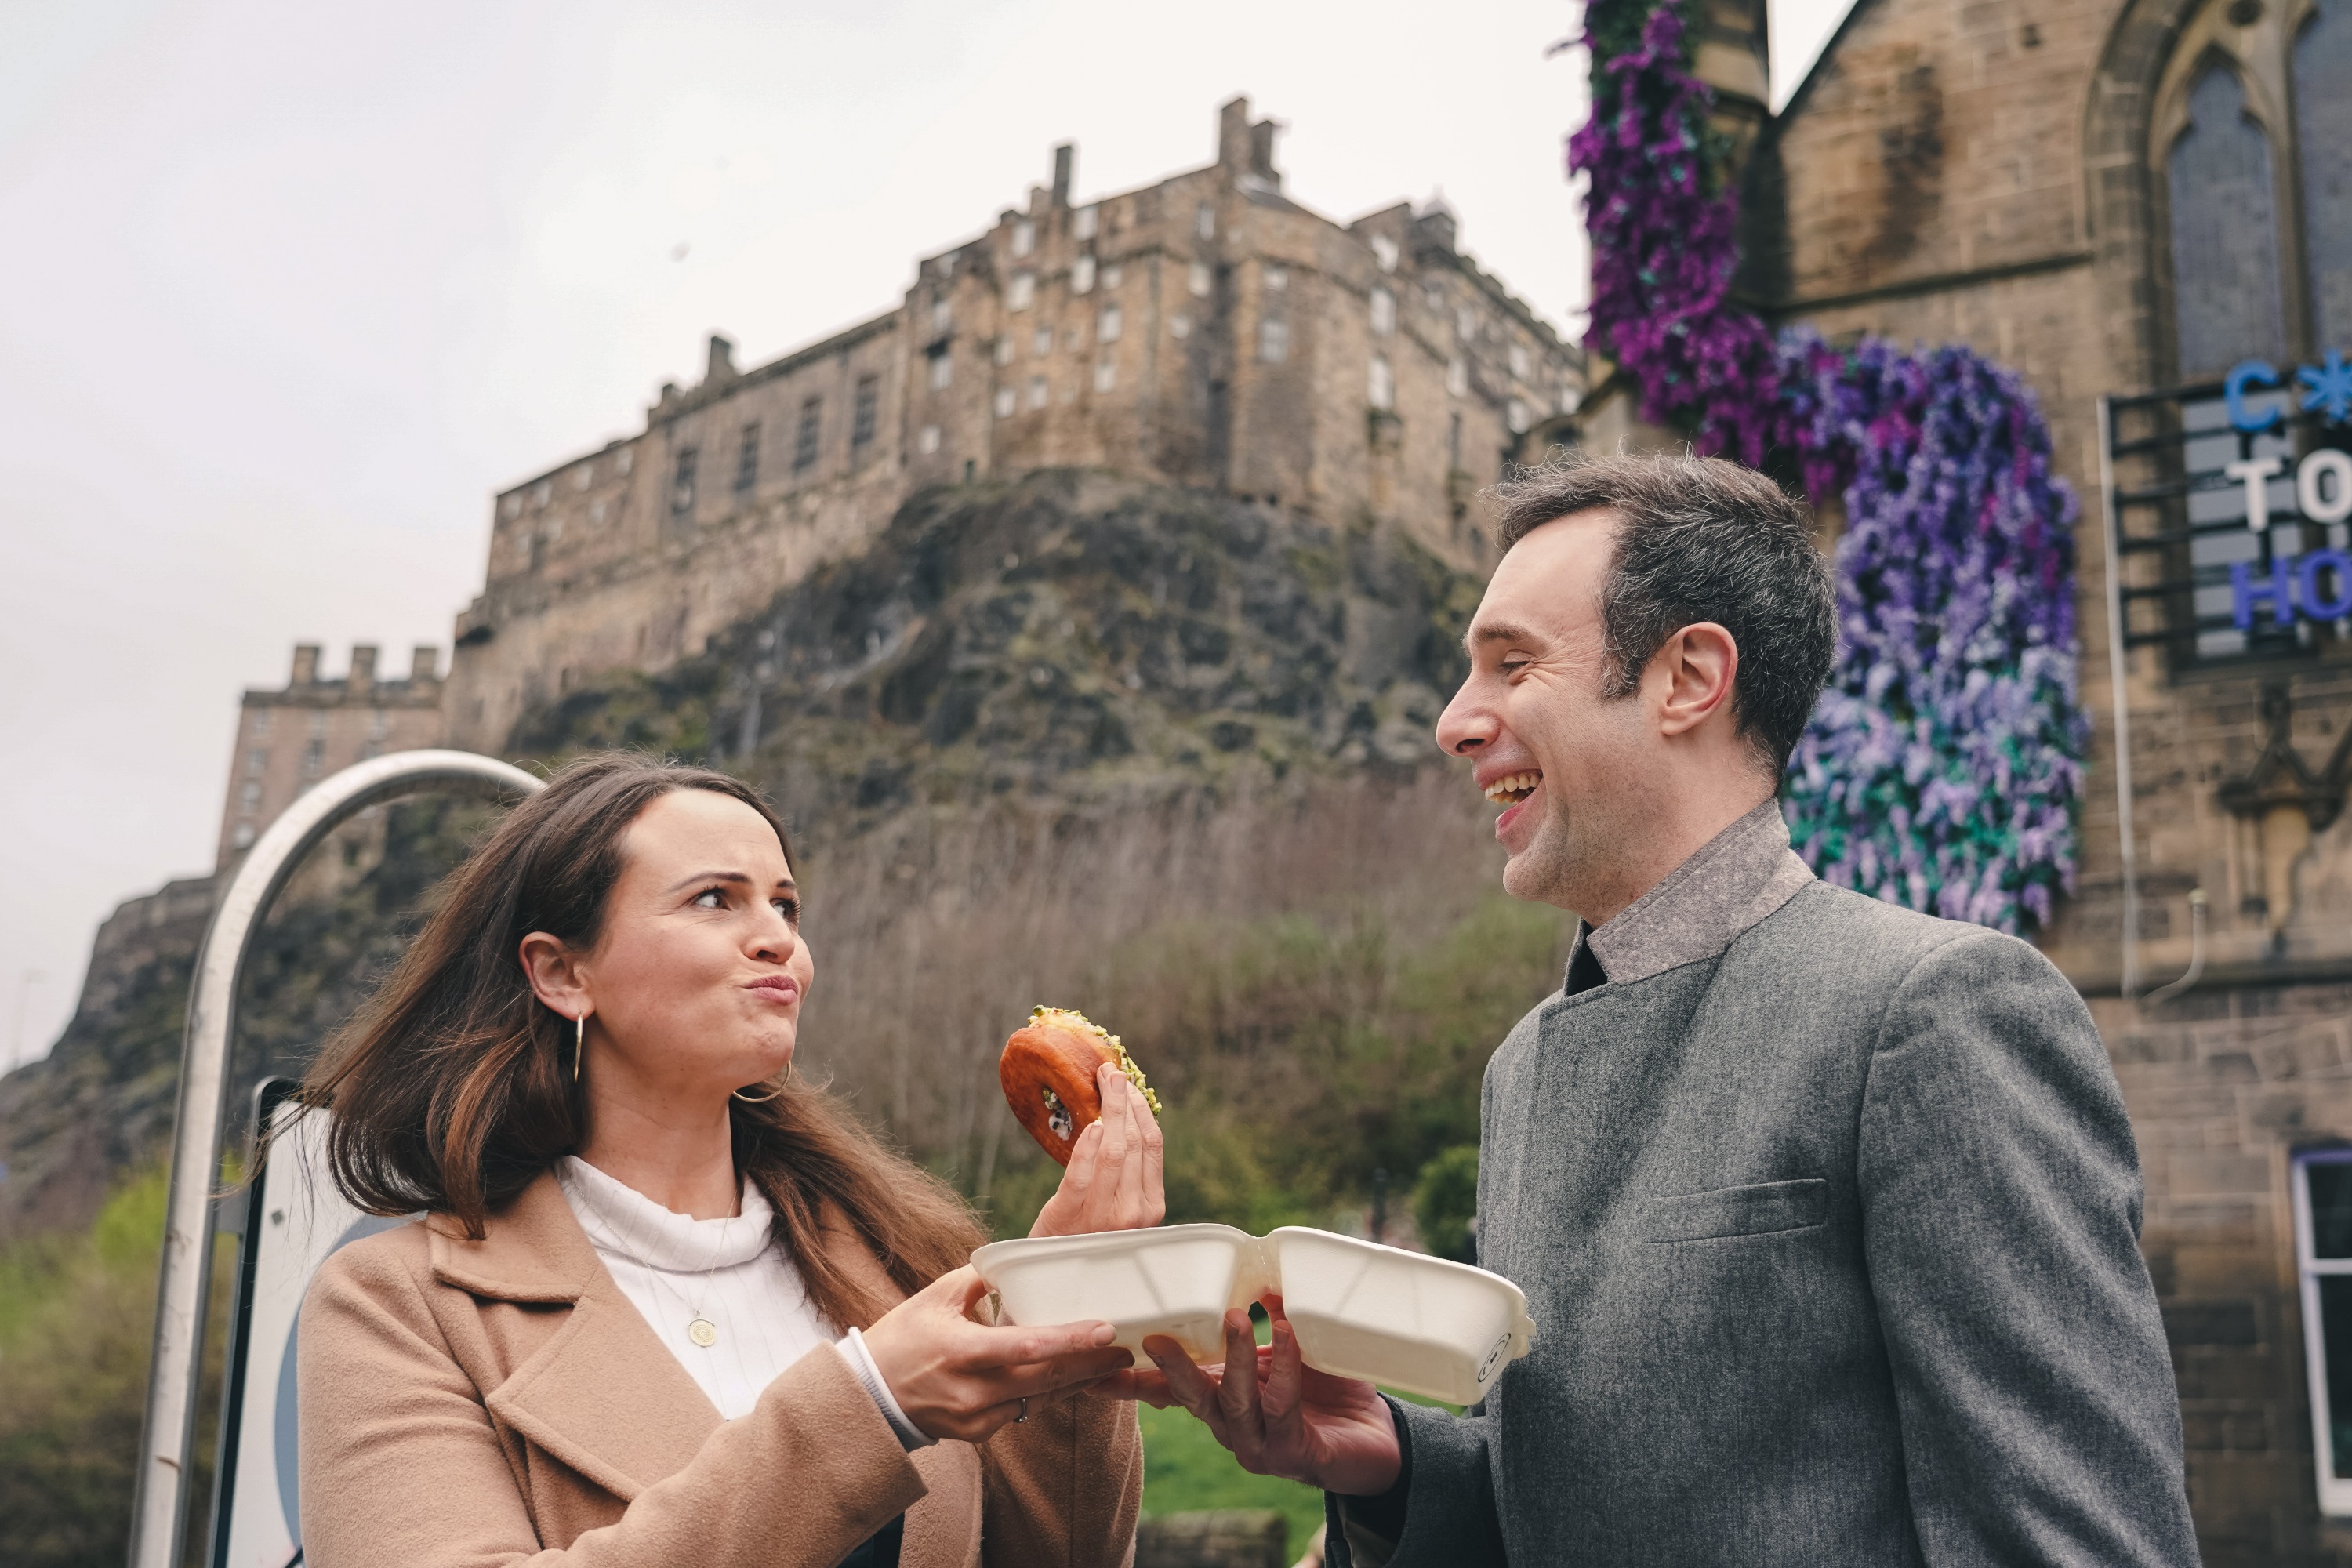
(1693, 674)
(556, 975)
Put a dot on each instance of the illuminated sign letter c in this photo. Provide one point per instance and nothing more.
(2249, 372)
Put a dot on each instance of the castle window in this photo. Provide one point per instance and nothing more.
(869, 395)
(1111, 275)
(1383, 312)
(1519, 362)
(379, 724)
(1037, 391)
(1106, 331)
(1384, 251)
(1005, 402)
(1380, 386)
(512, 507)
(681, 484)
(747, 459)
(627, 459)
(1204, 221)
(1198, 280)
(1432, 299)
(1277, 278)
(540, 493)
(1106, 374)
(597, 511)
(942, 317)
(1571, 399)
(1465, 323)
(314, 758)
(928, 441)
(1179, 326)
(1023, 288)
(1515, 415)
(943, 369)
(256, 760)
(805, 439)
(583, 476)
(261, 717)
(1458, 377)
(1274, 340)
(1081, 223)
(1041, 342)
(249, 797)
(1454, 441)
(1081, 275)
(241, 838)
(1025, 237)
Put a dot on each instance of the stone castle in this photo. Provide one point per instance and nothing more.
(1205, 331)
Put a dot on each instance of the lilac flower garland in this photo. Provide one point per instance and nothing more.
(1943, 766)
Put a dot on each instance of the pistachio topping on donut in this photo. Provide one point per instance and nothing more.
(1071, 1018)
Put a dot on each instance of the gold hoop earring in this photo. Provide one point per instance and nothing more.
(579, 1044)
(764, 1099)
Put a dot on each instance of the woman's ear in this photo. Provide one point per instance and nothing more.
(556, 975)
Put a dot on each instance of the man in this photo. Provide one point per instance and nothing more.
(1827, 1212)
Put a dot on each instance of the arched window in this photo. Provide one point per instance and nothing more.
(2323, 123)
(2226, 290)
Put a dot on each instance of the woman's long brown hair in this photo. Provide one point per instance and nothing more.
(452, 1089)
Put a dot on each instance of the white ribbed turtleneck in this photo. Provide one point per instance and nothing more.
(673, 1267)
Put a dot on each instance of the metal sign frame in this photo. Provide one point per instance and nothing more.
(159, 1512)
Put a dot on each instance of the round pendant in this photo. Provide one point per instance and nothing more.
(703, 1331)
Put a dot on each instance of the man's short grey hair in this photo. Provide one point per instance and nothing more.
(1698, 539)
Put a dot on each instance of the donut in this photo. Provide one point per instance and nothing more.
(1048, 1072)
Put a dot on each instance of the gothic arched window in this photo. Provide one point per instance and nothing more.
(2225, 251)
(2323, 124)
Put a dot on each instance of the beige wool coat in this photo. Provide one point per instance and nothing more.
(500, 1402)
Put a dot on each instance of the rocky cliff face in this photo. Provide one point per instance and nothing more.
(1072, 639)
(1071, 644)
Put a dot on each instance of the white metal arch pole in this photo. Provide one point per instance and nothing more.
(159, 1510)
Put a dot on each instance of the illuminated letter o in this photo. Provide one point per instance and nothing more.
(2328, 460)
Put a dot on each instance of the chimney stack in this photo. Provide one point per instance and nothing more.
(1065, 156)
(306, 663)
(1233, 135)
(1261, 152)
(423, 664)
(721, 364)
(362, 676)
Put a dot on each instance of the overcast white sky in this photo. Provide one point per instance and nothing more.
(287, 290)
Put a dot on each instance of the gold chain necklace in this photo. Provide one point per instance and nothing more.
(698, 1327)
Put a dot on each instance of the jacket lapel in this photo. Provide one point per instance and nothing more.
(602, 1394)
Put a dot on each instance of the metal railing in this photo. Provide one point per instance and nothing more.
(159, 1510)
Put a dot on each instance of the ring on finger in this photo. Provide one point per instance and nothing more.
(1024, 1411)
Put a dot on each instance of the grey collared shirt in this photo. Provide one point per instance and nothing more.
(1703, 906)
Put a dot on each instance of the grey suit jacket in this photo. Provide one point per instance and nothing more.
(1830, 1239)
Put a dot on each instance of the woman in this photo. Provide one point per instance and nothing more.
(669, 1305)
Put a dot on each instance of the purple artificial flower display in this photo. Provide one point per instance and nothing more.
(1943, 767)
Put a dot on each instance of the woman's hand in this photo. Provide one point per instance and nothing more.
(958, 1378)
(1114, 1179)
